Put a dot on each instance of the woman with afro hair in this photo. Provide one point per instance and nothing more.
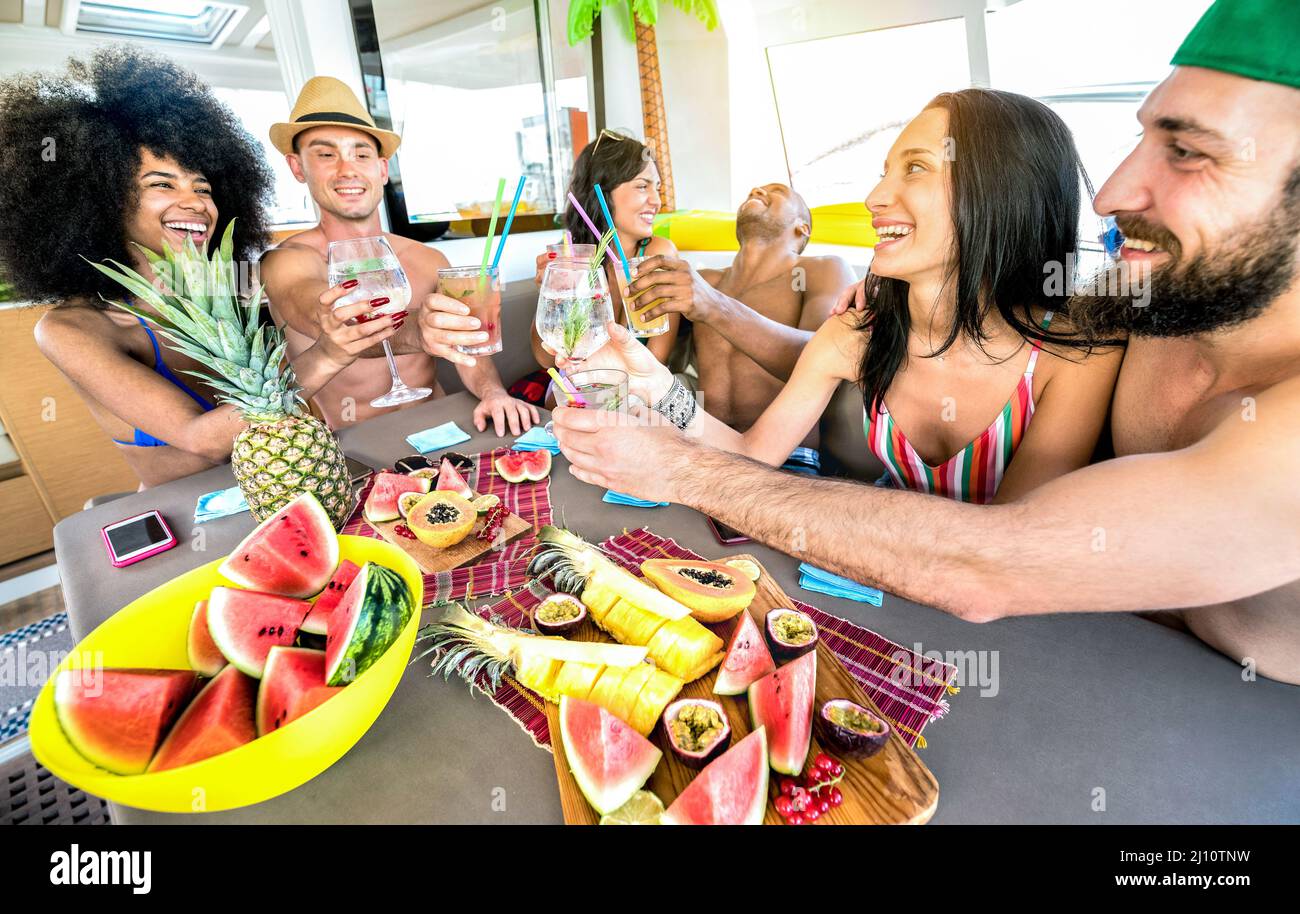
(118, 150)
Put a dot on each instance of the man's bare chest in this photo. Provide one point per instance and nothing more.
(1165, 399)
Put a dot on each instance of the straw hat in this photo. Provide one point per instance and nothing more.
(327, 102)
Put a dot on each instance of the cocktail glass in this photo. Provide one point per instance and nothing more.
(381, 281)
(596, 388)
(637, 324)
(572, 251)
(573, 307)
(482, 294)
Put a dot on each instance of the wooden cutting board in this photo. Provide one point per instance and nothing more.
(432, 561)
(893, 787)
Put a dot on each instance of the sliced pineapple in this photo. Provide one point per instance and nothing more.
(655, 695)
(576, 679)
(538, 673)
(632, 624)
(605, 690)
(629, 689)
(685, 648)
(598, 602)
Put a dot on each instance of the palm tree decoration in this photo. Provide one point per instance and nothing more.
(643, 14)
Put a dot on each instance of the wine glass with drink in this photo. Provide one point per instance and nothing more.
(573, 308)
(381, 281)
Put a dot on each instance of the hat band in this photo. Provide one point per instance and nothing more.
(334, 116)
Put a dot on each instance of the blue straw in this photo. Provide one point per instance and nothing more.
(609, 220)
(501, 245)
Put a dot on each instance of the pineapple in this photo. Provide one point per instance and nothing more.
(625, 606)
(614, 676)
(285, 451)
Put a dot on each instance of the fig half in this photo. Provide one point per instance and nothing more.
(697, 730)
(790, 633)
(559, 614)
(851, 729)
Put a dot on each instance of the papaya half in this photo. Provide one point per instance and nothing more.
(713, 592)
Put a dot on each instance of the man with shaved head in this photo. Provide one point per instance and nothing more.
(1199, 514)
(750, 321)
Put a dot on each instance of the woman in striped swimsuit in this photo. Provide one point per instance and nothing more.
(977, 206)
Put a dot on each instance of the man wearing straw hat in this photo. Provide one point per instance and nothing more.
(333, 146)
(1199, 514)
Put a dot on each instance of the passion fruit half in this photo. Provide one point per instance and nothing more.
(697, 730)
(790, 633)
(408, 500)
(851, 729)
(559, 614)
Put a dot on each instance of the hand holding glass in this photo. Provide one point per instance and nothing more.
(381, 281)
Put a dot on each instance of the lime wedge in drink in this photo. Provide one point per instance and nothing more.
(368, 265)
(643, 809)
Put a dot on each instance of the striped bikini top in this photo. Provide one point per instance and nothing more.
(974, 473)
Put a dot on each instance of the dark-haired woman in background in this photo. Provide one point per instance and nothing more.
(141, 153)
(626, 172)
(980, 195)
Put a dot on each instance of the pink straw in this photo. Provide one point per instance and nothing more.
(585, 218)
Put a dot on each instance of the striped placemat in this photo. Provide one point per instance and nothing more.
(909, 689)
(496, 571)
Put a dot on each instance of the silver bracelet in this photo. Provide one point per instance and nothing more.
(678, 405)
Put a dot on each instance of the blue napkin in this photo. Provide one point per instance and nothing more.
(618, 498)
(437, 438)
(220, 503)
(819, 580)
(536, 439)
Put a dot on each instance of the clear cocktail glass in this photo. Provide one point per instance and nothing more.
(482, 294)
(381, 281)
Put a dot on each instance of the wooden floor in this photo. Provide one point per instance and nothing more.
(35, 606)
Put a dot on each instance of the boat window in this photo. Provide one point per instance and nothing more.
(842, 101)
(479, 91)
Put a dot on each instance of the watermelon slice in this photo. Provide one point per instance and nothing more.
(205, 657)
(449, 480)
(293, 684)
(219, 719)
(521, 466)
(747, 660)
(731, 790)
(610, 760)
(117, 718)
(292, 553)
(317, 620)
(374, 610)
(245, 625)
(381, 503)
(782, 701)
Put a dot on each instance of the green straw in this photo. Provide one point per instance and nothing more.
(492, 230)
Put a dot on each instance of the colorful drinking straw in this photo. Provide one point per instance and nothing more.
(492, 229)
(618, 245)
(505, 232)
(583, 213)
(563, 386)
(568, 243)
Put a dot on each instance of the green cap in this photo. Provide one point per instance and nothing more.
(1259, 39)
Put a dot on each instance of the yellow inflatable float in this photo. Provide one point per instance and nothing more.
(710, 230)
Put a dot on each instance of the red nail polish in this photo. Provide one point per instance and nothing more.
(350, 283)
(379, 302)
(550, 255)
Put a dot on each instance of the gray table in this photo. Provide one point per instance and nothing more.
(1162, 724)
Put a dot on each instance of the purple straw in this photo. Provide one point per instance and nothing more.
(583, 213)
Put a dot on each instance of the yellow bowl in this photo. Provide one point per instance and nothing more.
(151, 632)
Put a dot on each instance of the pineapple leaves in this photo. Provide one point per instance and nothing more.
(199, 311)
